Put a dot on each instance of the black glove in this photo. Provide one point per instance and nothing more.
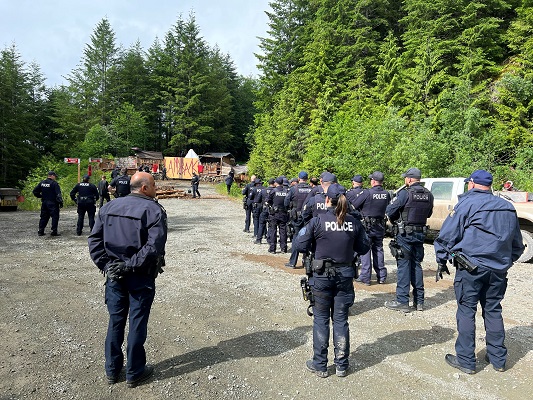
(61, 205)
(117, 270)
(441, 267)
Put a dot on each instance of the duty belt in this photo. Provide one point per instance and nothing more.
(412, 228)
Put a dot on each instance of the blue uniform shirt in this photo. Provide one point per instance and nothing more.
(329, 240)
(372, 202)
(132, 229)
(49, 191)
(484, 228)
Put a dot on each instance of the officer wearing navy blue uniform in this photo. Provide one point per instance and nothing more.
(372, 204)
(316, 204)
(49, 192)
(482, 238)
(264, 216)
(87, 196)
(357, 188)
(128, 244)
(334, 236)
(409, 210)
(248, 203)
(195, 182)
(294, 203)
(257, 200)
(279, 216)
(121, 184)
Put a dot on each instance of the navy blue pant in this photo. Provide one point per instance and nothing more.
(410, 268)
(90, 209)
(133, 295)
(195, 191)
(49, 209)
(248, 217)
(486, 286)
(263, 226)
(374, 258)
(279, 221)
(256, 213)
(294, 254)
(333, 298)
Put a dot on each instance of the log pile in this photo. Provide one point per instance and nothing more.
(168, 192)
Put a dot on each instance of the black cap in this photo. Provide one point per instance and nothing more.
(86, 177)
(335, 190)
(377, 176)
(412, 173)
(357, 178)
(50, 173)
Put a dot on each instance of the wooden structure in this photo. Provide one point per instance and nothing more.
(217, 164)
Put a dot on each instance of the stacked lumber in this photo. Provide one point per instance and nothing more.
(167, 192)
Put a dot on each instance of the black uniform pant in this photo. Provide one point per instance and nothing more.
(195, 191)
(90, 209)
(256, 212)
(279, 222)
(248, 217)
(49, 209)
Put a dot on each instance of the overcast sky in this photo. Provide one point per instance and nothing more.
(54, 33)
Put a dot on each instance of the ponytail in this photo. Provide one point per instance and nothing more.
(341, 208)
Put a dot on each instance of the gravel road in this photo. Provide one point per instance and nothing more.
(228, 321)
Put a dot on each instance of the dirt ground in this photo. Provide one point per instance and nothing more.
(229, 321)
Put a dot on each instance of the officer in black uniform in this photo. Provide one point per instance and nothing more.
(49, 192)
(257, 200)
(248, 203)
(279, 216)
(264, 216)
(229, 180)
(316, 204)
(87, 196)
(294, 203)
(121, 184)
(128, 244)
(409, 212)
(357, 188)
(372, 203)
(334, 236)
(195, 181)
(103, 192)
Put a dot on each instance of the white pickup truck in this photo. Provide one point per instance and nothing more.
(446, 190)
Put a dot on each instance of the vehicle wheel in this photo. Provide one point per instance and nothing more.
(528, 242)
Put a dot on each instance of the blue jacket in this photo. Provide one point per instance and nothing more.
(482, 227)
(132, 229)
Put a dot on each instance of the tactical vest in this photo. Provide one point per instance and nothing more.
(418, 206)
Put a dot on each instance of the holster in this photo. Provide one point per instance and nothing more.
(395, 249)
(462, 263)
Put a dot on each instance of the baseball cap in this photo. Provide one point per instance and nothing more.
(294, 180)
(303, 175)
(52, 173)
(279, 180)
(412, 173)
(86, 177)
(271, 181)
(335, 190)
(481, 177)
(377, 176)
(329, 177)
(357, 178)
(257, 181)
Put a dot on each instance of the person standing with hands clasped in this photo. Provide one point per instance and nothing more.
(334, 236)
(128, 245)
(482, 238)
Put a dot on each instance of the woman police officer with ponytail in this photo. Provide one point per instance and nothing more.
(334, 237)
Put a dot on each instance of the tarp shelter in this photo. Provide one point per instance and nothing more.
(182, 167)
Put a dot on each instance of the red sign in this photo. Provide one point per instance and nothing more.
(95, 160)
(72, 160)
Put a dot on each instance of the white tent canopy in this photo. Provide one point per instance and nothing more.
(191, 154)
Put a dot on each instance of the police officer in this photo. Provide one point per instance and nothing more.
(103, 192)
(195, 181)
(482, 237)
(115, 173)
(316, 204)
(279, 216)
(357, 188)
(128, 244)
(294, 202)
(229, 180)
(372, 203)
(121, 184)
(248, 203)
(257, 200)
(164, 173)
(334, 236)
(409, 211)
(49, 192)
(264, 216)
(87, 195)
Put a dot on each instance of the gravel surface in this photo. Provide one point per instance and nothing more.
(229, 321)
